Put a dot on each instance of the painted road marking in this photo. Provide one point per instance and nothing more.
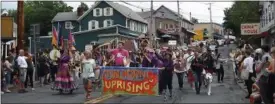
(99, 99)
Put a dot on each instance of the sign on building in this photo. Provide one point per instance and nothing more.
(250, 29)
(172, 42)
(88, 47)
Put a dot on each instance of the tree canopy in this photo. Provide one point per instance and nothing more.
(241, 12)
(42, 12)
(84, 6)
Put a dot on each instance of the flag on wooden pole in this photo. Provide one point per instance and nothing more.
(54, 37)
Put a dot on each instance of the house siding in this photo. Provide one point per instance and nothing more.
(117, 17)
(65, 32)
(83, 39)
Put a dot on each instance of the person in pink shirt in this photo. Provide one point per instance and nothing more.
(119, 55)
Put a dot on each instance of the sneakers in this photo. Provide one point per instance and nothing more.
(7, 91)
(33, 89)
(2, 92)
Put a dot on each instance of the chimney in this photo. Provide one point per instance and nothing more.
(79, 11)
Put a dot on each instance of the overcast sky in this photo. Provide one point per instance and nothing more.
(198, 10)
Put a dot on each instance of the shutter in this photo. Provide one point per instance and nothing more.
(94, 12)
(96, 25)
(101, 12)
(105, 23)
(111, 11)
(112, 22)
(105, 11)
(90, 25)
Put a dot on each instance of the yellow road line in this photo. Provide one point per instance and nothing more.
(99, 99)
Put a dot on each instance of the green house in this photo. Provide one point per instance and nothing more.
(101, 23)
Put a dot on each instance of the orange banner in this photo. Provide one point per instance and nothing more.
(133, 81)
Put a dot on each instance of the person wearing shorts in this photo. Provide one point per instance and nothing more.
(22, 63)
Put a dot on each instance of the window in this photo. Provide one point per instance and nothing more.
(171, 26)
(139, 27)
(108, 23)
(166, 26)
(160, 25)
(93, 24)
(97, 12)
(68, 25)
(135, 26)
(132, 25)
(108, 11)
(143, 28)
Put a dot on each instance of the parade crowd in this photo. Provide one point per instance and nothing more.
(64, 68)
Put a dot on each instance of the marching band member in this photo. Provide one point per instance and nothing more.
(54, 56)
(75, 62)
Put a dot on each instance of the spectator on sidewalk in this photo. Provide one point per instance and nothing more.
(4, 87)
(29, 76)
(23, 65)
(248, 67)
(8, 70)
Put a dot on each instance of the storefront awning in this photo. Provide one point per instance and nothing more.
(191, 32)
(6, 39)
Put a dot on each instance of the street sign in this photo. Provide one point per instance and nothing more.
(172, 42)
(250, 29)
(89, 47)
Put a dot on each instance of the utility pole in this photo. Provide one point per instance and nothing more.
(21, 27)
(211, 22)
(151, 35)
(179, 24)
(190, 16)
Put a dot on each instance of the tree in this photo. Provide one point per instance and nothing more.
(42, 12)
(84, 6)
(241, 12)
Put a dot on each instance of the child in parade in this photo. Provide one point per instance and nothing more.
(88, 74)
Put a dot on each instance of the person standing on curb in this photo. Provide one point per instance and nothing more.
(23, 65)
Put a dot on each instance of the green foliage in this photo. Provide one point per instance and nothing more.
(42, 12)
(241, 12)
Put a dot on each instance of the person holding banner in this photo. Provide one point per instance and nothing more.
(64, 81)
(120, 55)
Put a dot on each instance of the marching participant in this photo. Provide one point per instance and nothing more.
(119, 55)
(64, 80)
(75, 65)
(54, 56)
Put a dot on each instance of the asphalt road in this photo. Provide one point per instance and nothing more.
(46, 95)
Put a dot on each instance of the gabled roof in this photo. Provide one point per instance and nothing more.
(64, 16)
(144, 15)
(172, 17)
(127, 12)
